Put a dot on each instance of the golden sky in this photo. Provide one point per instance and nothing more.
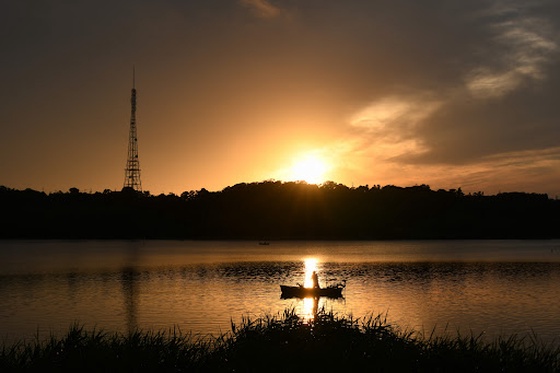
(449, 93)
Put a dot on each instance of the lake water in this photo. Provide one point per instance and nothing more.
(495, 287)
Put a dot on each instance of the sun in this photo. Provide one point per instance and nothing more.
(309, 168)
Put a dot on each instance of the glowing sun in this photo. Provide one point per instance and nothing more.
(309, 168)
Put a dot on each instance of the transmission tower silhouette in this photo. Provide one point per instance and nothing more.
(132, 170)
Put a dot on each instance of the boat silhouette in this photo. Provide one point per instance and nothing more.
(300, 291)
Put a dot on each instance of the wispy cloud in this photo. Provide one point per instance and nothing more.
(526, 44)
(395, 114)
(459, 122)
(386, 128)
(262, 8)
(532, 171)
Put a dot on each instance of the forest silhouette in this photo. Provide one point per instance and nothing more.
(273, 210)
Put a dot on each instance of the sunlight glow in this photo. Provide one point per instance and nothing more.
(310, 266)
(309, 168)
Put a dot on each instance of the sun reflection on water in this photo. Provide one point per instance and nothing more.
(309, 305)
(310, 265)
(309, 308)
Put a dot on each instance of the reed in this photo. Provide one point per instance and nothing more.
(282, 343)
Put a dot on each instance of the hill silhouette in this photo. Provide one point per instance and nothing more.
(280, 210)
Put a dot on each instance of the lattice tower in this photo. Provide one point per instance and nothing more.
(132, 170)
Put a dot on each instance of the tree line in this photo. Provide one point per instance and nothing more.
(272, 210)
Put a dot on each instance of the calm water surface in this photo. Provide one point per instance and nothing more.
(495, 287)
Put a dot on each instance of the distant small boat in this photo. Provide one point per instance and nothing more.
(332, 291)
(265, 243)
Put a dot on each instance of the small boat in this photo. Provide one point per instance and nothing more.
(332, 291)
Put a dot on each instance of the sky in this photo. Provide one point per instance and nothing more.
(448, 93)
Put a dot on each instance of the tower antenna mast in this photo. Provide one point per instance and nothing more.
(132, 170)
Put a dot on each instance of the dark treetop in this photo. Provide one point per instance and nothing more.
(276, 210)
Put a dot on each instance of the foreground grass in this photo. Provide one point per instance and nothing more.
(283, 343)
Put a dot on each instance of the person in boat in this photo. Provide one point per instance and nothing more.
(315, 280)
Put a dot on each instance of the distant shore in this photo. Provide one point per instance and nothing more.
(275, 210)
(283, 343)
